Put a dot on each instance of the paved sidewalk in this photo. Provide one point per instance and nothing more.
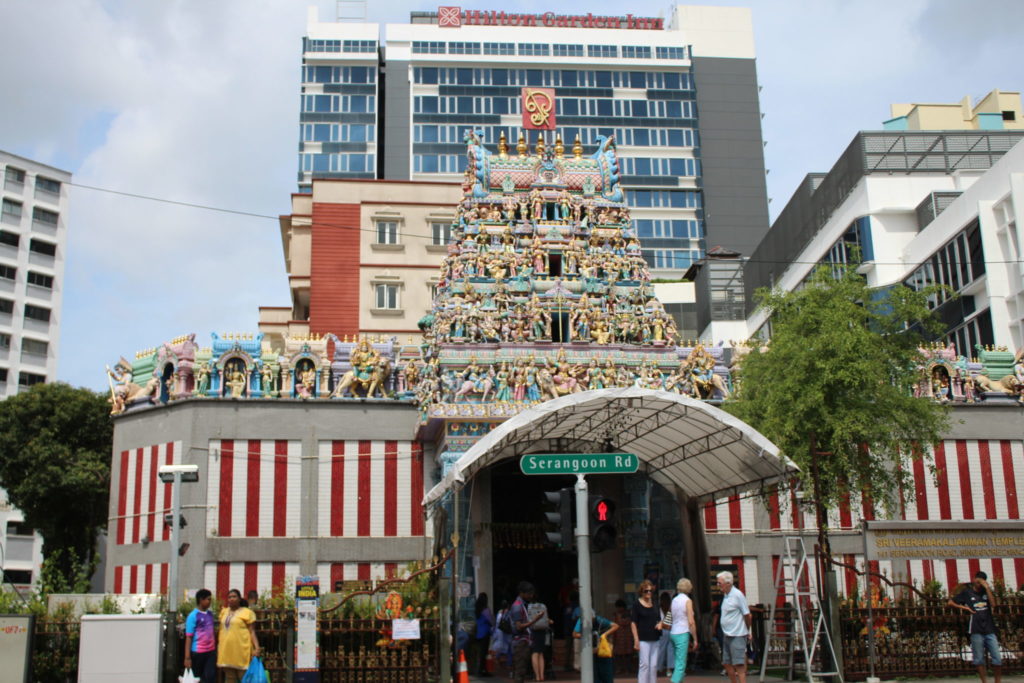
(711, 677)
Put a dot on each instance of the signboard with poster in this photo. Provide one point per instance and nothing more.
(16, 647)
(307, 629)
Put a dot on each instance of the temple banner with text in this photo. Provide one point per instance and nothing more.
(914, 540)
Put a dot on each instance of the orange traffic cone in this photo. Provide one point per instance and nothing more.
(462, 671)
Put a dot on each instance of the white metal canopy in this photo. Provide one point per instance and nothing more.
(680, 441)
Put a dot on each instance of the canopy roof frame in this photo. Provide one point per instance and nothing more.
(680, 441)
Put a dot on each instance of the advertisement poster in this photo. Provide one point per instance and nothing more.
(307, 631)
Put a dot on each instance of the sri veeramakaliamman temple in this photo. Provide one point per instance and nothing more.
(341, 456)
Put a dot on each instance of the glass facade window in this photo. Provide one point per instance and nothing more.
(9, 238)
(566, 78)
(429, 47)
(670, 167)
(976, 330)
(957, 264)
(339, 74)
(47, 185)
(666, 228)
(534, 49)
(567, 50)
(6, 306)
(636, 51)
(359, 46)
(5, 340)
(335, 104)
(338, 163)
(463, 48)
(499, 48)
(387, 232)
(387, 296)
(14, 178)
(439, 163)
(440, 233)
(312, 45)
(337, 132)
(602, 50)
(40, 280)
(679, 259)
(670, 52)
(676, 199)
(8, 272)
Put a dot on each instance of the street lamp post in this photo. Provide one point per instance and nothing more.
(175, 475)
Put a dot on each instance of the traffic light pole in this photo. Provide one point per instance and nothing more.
(583, 558)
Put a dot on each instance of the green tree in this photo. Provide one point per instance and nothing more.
(834, 388)
(55, 444)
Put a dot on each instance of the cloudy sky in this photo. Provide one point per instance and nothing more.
(196, 101)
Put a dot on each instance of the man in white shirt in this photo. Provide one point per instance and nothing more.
(735, 622)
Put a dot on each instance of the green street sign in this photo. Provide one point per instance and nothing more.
(579, 463)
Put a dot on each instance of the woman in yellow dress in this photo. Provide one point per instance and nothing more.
(238, 643)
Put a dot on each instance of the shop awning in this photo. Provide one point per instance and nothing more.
(680, 441)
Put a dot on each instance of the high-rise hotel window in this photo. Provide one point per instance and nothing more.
(534, 49)
(11, 212)
(9, 238)
(5, 340)
(440, 233)
(359, 46)
(499, 48)
(567, 50)
(387, 232)
(6, 306)
(670, 52)
(8, 272)
(602, 51)
(37, 313)
(387, 296)
(332, 104)
(676, 199)
(636, 51)
(42, 247)
(322, 45)
(429, 47)
(463, 48)
(40, 280)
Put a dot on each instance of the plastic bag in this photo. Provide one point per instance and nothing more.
(604, 648)
(255, 673)
(188, 677)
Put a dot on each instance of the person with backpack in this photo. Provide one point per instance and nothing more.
(519, 622)
(604, 663)
(482, 636)
(500, 639)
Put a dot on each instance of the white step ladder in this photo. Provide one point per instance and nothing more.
(806, 634)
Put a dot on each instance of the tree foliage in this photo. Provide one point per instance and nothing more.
(840, 369)
(55, 444)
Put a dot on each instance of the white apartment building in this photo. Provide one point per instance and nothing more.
(33, 239)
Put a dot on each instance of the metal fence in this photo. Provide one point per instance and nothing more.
(910, 641)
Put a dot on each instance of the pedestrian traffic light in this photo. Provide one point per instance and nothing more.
(559, 522)
(602, 523)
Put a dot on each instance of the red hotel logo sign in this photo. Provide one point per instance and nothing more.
(449, 16)
(454, 17)
(538, 108)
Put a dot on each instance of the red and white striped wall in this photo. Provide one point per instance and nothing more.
(745, 576)
(975, 479)
(332, 572)
(142, 499)
(220, 577)
(140, 578)
(254, 488)
(370, 489)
